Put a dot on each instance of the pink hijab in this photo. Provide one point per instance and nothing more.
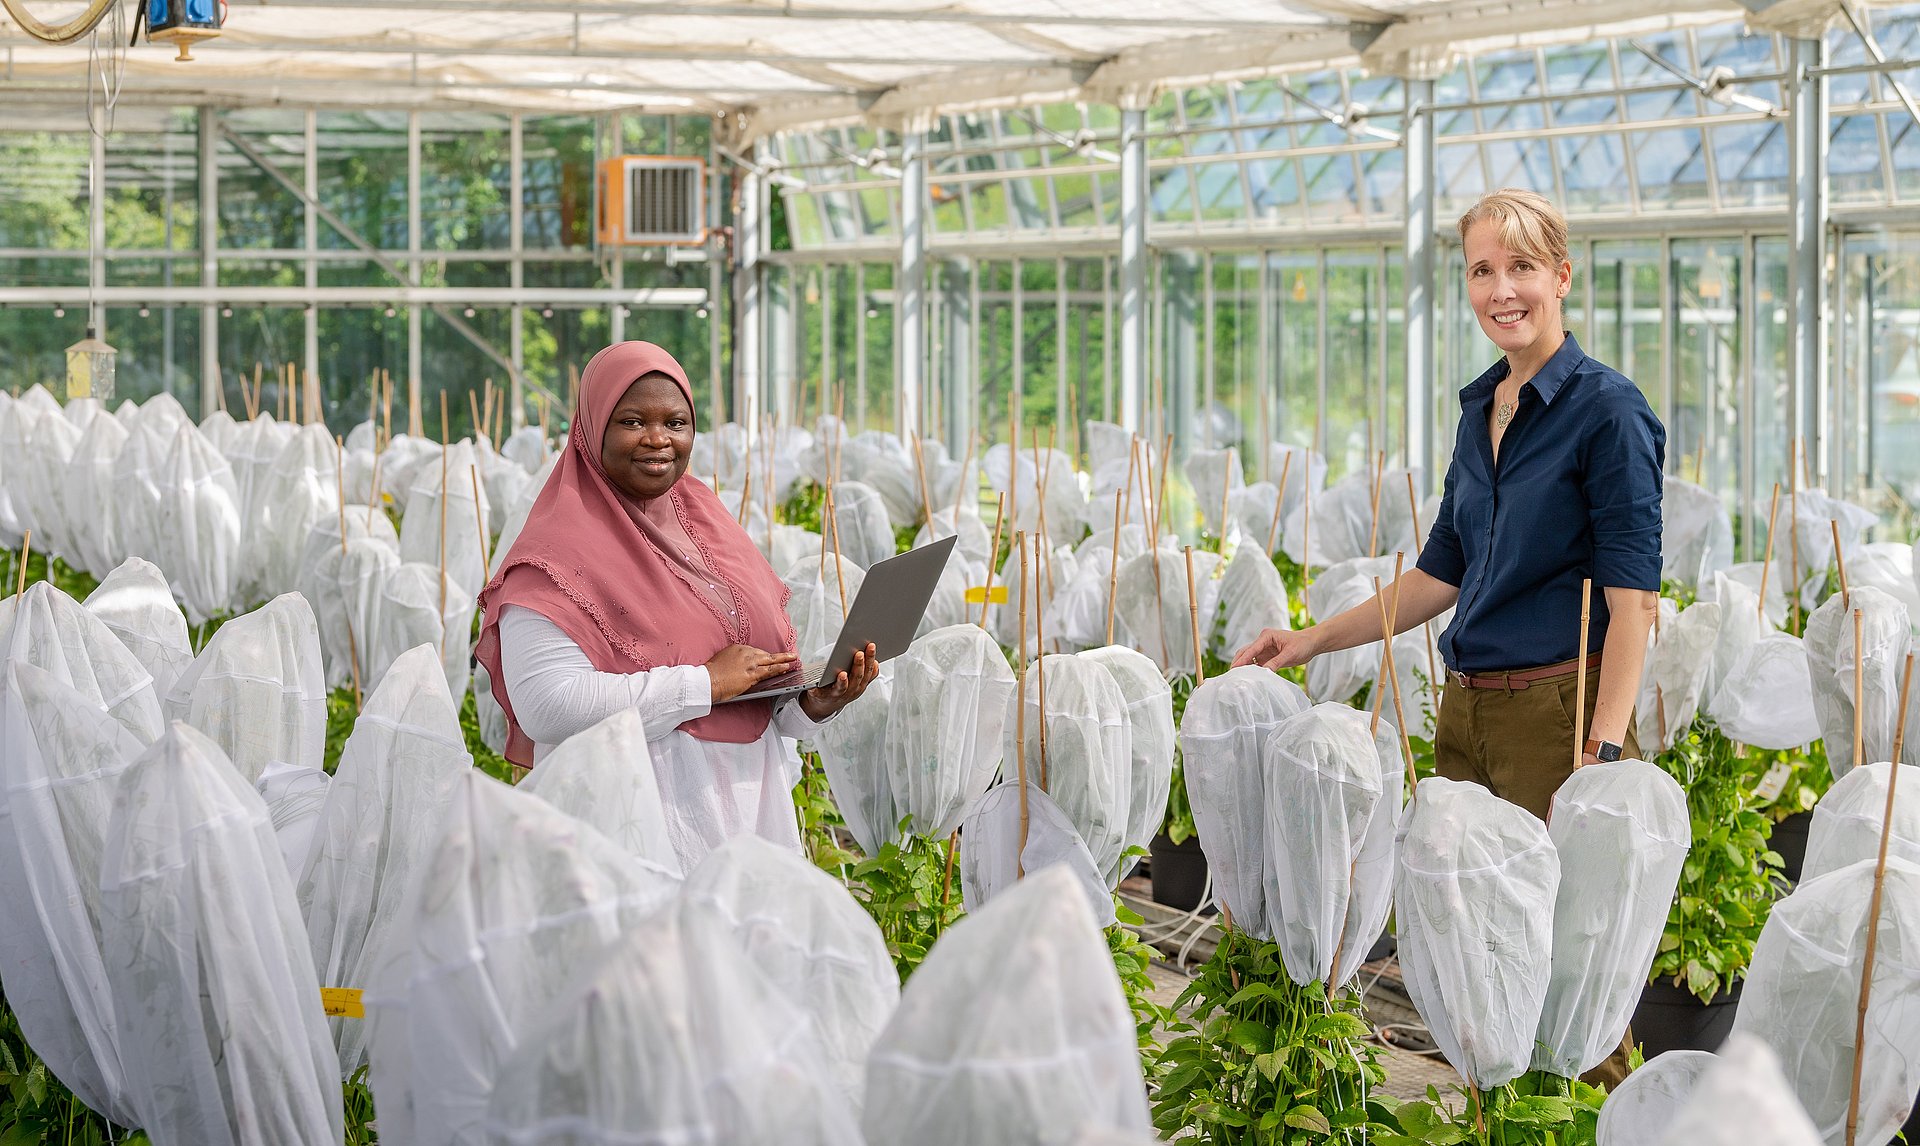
(614, 573)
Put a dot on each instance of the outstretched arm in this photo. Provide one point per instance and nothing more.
(1422, 598)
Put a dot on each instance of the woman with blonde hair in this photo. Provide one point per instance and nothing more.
(1555, 478)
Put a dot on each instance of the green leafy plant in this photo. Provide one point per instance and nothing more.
(804, 506)
(35, 1107)
(1536, 1109)
(909, 889)
(1726, 889)
(820, 822)
(1262, 1061)
(1131, 959)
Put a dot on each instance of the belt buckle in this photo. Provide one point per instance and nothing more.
(1460, 678)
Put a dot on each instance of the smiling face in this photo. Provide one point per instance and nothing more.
(1516, 296)
(649, 438)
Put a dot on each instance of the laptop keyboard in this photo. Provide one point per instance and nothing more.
(806, 676)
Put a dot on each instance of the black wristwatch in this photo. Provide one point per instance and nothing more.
(1605, 751)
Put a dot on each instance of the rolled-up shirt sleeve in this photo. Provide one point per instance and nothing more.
(556, 692)
(1625, 455)
(1442, 558)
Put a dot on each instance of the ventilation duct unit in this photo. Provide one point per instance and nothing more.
(653, 200)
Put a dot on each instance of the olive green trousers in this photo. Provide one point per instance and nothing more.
(1519, 746)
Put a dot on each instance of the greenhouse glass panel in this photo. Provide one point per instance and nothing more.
(263, 272)
(1772, 416)
(987, 206)
(1586, 110)
(1579, 68)
(1276, 190)
(1294, 325)
(875, 313)
(159, 353)
(255, 210)
(465, 182)
(453, 366)
(1221, 192)
(1705, 421)
(363, 177)
(153, 189)
(1028, 197)
(1331, 195)
(1905, 147)
(1463, 177)
(1627, 313)
(1355, 369)
(356, 344)
(1876, 411)
(1037, 321)
(33, 345)
(556, 341)
(839, 214)
(1074, 195)
(1853, 160)
(1384, 183)
(1750, 160)
(1087, 339)
(1170, 195)
(1672, 169)
(1593, 171)
(43, 190)
(949, 209)
(558, 154)
(804, 231)
(1522, 163)
(1231, 398)
(265, 339)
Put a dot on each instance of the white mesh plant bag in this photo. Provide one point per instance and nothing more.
(1065, 505)
(1227, 720)
(342, 584)
(1814, 514)
(1321, 787)
(603, 776)
(257, 691)
(722, 450)
(421, 538)
(525, 448)
(1674, 682)
(1149, 713)
(1742, 1099)
(402, 462)
(390, 792)
(406, 612)
(515, 903)
(1847, 821)
(1014, 1031)
(1213, 475)
(1622, 833)
(48, 629)
(137, 487)
(815, 606)
(1640, 1109)
(1371, 900)
(1342, 519)
(1886, 566)
(976, 536)
(865, 534)
(1107, 443)
(1339, 675)
(294, 797)
(501, 483)
(215, 996)
(299, 489)
(1885, 638)
(517, 514)
(1087, 764)
(1156, 609)
(811, 940)
(1076, 614)
(1049, 573)
(1803, 992)
(1252, 599)
(1696, 535)
(1764, 700)
(853, 750)
(134, 604)
(15, 424)
(1473, 904)
(675, 1037)
(197, 530)
(950, 702)
(40, 473)
(61, 757)
(992, 858)
(92, 512)
(250, 448)
(948, 605)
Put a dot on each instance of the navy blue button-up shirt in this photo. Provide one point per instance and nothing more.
(1575, 494)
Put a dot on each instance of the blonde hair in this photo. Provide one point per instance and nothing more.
(1526, 221)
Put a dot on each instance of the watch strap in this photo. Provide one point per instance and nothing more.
(1604, 751)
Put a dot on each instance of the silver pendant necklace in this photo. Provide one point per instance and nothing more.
(1503, 415)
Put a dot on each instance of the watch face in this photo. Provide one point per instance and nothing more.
(1608, 753)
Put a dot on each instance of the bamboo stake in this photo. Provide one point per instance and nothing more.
(1040, 660)
(1900, 723)
(999, 515)
(1380, 690)
(746, 499)
(1126, 487)
(1013, 465)
(340, 484)
(1279, 500)
(1766, 566)
(926, 499)
(1873, 913)
(1306, 543)
(373, 493)
(473, 410)
(960, 487)
(1020, 710)
(1193, 615)
(1113, 573)
(1160, 492)
(443, 522)
(1580, 694)
(946, 881)
(26, 550)
(1840, 559)
(839, 571)
(1700, 461)
(479, 519)
(1393, 678)
(1793, 537)
(1859, 695)
(1043, 477)
(251, 398)
(1659, 696)
(1373, 533)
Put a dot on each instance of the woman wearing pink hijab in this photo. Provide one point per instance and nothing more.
(632, 586)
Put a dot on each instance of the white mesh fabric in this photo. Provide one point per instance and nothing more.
(1678, 666)
(1149, 713)
(257, 690)
(1107, 443)
(864, 533)
(91, 509)
(1802, 996)
(1885, 636)
(342, 584)
(250, 448)
(48, 629)
(1014, 1031)
(516, 901)
(1741, 623)
(294, 796)
(950, 703)
(1076, 615)
(395, 779)
(1622, 833)
(811, 940)
(197, 531)
(1696, 534)
(295, 492)
(134, 604)
(1742, 1099)
(993, 858)
(1342, 519)
(1886, 566)
(1227, 720)
(15, 424)
(1087, 763)
(1156, 609)
(1321, 787)
(1049, 573)
(405, 611)
(61, 757)
(1764, 700)
(1640, 1109)
(401, 464)
(853, 750)
(604, 777)
(675, 1037)
(821, 595)
(1252, 598)
(40, 473)
(1473, 902)
(1371, 901)
(137, 483)
(214, 991)
(1814, 516)
(1847, 821)
(502, 481)
(421, 537)
(1212, 475)
(518, 512)
(948, 605)
(1339, 675)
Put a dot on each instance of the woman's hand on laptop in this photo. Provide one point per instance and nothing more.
(826, 701)
(742, 668)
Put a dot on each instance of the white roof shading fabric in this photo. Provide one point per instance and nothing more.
(1622, 833)
(390, 792)
(1473, 905)
(811, 940)
(992, 857)
(1013, 1031)
(214, 991)
(134, 603)
(257, 689)
(1803, 992)
(676, 1036)
(604, 777)
(1848, 819)
(61, 756)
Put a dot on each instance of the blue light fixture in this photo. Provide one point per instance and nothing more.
(183, 22)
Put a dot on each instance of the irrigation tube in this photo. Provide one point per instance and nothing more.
(65, 33)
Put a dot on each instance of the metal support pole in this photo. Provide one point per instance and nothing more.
(517, 269)
(210, 382)
(749, 340)
(1417, 281)
(414, 423)
(910, 290)
(1807, 317)
(311, 313)
(1133, 265)
(97, 224)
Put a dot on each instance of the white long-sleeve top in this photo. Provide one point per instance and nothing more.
(712, 791)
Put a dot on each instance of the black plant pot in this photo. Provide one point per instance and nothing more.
(1912, 1128)
(1790, 840)
(1672, 1018)
(1179, 872)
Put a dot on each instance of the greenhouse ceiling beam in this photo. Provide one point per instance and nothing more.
(1872, 44)
(663, 298)
(249, 90)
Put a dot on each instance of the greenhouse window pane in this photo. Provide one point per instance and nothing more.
(1662, 104)
(1106, 189)
(1751, 161)
(1170, 196)
(1594, 172)
(837, 216)
(949, 214)
(989, 206)
(1579, 69)
(122, 271)
(1276, 189)
(1330, 190)
(876, 210)
(1257, 100)
(1220, 192)
(1516, 117)
(1906, 161)
(558, 152)
(1522, 163)
(1074, 193)
(464, 182)
(1853, 160)
(1636, 70)
(1586, 110)
(803, 221)
(256, 211)
(1028, 198)
(1386, 180)
(1462, 179)
(1379, 93)
(1507, 75)
(1672, 168)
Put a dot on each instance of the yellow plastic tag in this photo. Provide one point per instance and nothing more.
(980, 594)
(342, 1002)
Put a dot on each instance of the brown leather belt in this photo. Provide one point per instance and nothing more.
(1520, 678)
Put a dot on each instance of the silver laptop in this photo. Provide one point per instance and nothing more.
(885, 613)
